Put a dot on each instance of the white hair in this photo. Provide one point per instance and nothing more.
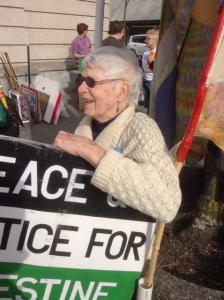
(118, 63)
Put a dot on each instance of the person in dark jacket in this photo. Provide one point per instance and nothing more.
(116, 34)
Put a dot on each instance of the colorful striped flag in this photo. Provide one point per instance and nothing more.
(208, 114)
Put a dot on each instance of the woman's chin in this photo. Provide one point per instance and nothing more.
(88, 111)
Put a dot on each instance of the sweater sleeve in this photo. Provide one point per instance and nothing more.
(145, 178)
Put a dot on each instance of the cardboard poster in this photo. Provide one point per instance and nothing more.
(60, 237)
(51, 88)
(22, 105)
(15, 97)
(31, 96)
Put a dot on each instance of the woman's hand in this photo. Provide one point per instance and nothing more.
(79, 146)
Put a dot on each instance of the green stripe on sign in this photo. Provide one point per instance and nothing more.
(47, 283)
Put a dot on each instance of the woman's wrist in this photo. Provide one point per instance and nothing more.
(93, 153)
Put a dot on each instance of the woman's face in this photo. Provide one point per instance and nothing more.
(99, 102)
(150, 42)
(85, 32)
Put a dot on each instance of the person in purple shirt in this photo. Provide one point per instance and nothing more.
(81, 45)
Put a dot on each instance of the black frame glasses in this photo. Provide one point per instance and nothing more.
(91, 82)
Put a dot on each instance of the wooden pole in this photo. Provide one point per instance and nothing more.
(148, 279)
(28, 65)
(7, 71)
(13, 74)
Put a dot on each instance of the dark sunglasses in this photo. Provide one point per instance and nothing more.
(90, 82)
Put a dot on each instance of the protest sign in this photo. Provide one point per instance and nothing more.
(60, 237)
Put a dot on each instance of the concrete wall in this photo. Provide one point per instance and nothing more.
(136, 10)
(48, 27)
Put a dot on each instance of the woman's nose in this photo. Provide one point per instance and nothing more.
(83, 87)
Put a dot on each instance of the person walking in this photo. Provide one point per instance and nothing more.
(148, 63)
(81, 45)
(116, 34)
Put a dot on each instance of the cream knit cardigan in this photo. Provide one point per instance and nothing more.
(143, 176)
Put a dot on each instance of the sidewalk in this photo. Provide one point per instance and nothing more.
(44, 132)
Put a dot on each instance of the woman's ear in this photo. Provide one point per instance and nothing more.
(122, 91)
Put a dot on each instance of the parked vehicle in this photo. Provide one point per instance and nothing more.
(137, 44)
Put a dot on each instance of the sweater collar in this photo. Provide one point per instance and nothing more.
(109, 137)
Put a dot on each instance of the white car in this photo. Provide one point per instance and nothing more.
(136, 43)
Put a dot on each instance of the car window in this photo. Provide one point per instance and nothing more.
(139, 39)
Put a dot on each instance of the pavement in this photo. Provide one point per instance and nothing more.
(44, 132)
(169, 287)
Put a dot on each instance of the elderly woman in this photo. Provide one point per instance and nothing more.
(126, 148)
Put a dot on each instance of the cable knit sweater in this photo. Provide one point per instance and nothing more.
(143, 176)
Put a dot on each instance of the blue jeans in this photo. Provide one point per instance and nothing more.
(146, 91)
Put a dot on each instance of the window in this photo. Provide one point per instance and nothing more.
(139, 39)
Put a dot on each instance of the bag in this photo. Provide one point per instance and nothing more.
(81, 65)
(9, 122)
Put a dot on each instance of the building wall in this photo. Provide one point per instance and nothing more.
(47, 27)
(137, 10)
